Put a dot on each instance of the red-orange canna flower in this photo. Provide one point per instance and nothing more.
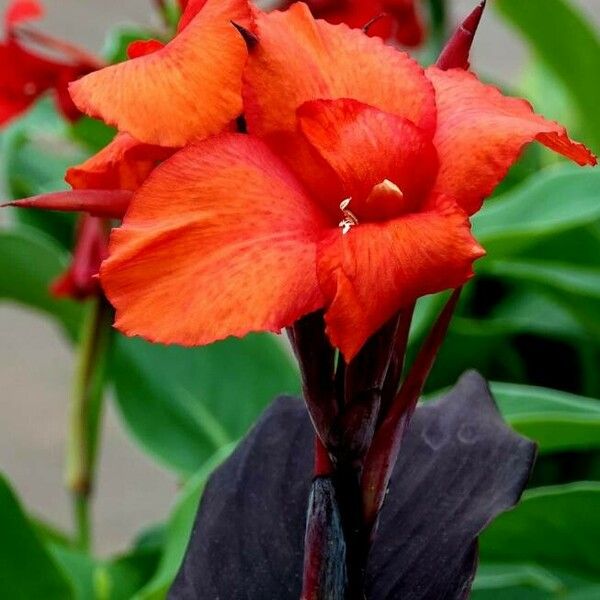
(27, 74)
(351, 193)
(397, 19)
(186, 90)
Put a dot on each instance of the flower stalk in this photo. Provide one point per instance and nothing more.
(353, 468)
(86, 413)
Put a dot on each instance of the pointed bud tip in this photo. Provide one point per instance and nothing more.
(248, 37)
(471, 23)
(455, 54)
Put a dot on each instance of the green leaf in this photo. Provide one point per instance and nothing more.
(555, 200)
(35, 154)
(555, 527)
(183, 404)
(26, 569)
(494, 576)
(580, 246)
(179, 527)
(29, 262)
(568, 45)
(565, 278)
(576, 287)
(115, 579)
(92, 133)
(590, 592)
(557, 421)
(529, 311)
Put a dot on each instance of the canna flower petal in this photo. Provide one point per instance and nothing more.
(122, 165)
(326, 62)
(143, 48)
(365, 147)
(379, 268)
(480, 134)
(187, 90)
(221, 240)
(189, 9)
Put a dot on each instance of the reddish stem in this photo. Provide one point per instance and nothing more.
(383, 453)
(396, 366)
(316, 358)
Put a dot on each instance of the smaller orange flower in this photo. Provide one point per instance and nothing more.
(26, 74)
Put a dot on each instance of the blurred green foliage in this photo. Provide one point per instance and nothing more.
(531, 318)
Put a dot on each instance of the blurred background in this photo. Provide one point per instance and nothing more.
(133, 491)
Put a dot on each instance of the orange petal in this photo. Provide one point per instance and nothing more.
(365, 147)
(378, 268)
(220, 241)
(143, 48)
(188, 90)
(124, 164)
(188, 11)
(481, 133)
(299, 59)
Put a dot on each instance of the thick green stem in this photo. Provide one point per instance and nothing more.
(85, 415)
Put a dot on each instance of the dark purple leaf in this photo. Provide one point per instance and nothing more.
(459, 466)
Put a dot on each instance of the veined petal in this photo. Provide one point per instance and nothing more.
(189, 9)
(480, 134)
(124, 164)
(378, 268)
(221, 240)
(365, 147)
(188, 90)
(299, 59)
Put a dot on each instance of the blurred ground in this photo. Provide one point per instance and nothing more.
(35, 362)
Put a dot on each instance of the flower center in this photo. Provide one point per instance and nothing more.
(349, 220)
(384, 201)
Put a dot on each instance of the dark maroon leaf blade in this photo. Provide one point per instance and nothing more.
(459, 467)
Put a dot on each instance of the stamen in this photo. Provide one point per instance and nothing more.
(350, 219)
(389, 186)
